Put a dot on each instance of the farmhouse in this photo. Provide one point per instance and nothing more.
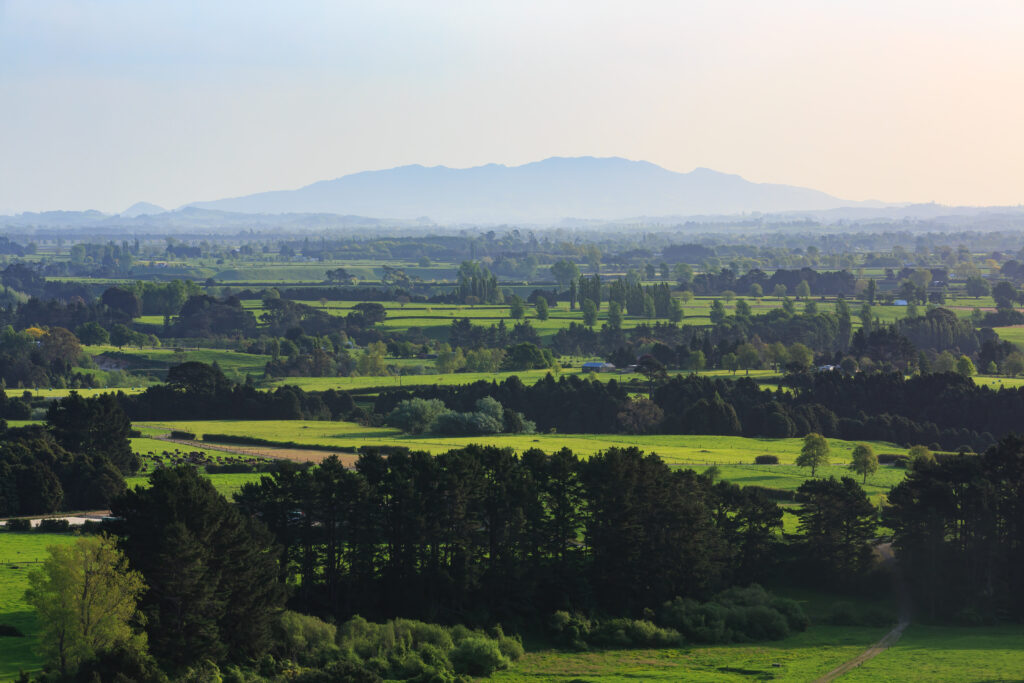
(597, 366)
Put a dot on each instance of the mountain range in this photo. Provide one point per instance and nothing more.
(542, 192)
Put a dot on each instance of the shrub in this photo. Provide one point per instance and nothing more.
(53, 526)
(766, 460)
(18, 525)
(735, 615)
(183, 435)
(478, 656)
(306, 639)
(8, 631)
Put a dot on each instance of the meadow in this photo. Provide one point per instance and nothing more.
(948, 653)
(673, 448)
(226, 484)
(15, 550)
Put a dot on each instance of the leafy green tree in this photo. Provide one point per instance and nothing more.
(945, 362)
(779, 291)
(803, 290)
(920, 456)
(748, 357)
(965, 366)
(675, 311)
(865, 461)
(614, 315)
(742, 309)
(516, 309)
(977, 287)
(1013, 364)
(717, 313)
(871, 292)
(800, 355)
(683, 273)
(814, 453)
(542, 308)
(86, 599)
(730, 362)
(565, 271)
(589, 309)
(92, 333)
(649, 309)
(416, 415)
(756, 291)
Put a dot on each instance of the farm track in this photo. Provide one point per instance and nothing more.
(890, 638)
(293, 454)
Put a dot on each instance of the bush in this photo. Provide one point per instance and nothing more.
(18, 525)
(766, 460)
(735, 615)
(183, 435)
(306, 639)
(53, 526)
(478, 656)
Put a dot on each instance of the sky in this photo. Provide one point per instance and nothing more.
(104, 103)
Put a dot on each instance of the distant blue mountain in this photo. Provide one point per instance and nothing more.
(541, 192)
(142, 209)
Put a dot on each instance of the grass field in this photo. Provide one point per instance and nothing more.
(799, 658)
(226, 484)
(157, 360)
(674, 449)
(790, 477)
(19, 653)
(949, 653)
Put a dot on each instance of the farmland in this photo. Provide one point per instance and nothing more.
(17, 549)
(673, 449)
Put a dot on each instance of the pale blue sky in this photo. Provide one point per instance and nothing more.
(104, 103)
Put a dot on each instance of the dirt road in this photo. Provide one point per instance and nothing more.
(885, 550)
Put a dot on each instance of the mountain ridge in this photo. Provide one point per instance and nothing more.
(544, 191)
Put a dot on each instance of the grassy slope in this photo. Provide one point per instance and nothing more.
(18, 653)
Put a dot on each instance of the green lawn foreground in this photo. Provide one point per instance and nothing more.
(16, 549)
(802, 657)
(949, 653)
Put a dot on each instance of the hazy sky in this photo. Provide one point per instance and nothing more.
(104, 103)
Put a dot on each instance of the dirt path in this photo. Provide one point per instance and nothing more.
(294, 454)
(885, 550)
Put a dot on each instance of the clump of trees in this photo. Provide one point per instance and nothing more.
(418, 415)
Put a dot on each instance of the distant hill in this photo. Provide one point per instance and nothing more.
(541, 192)
(142, 209)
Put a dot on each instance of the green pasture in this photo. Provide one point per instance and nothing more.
(790, 477)
(996, 382)
(1013, 334)
(802, 657)
(16, 549)
(674, 449)
(949, 653)
(226, 484)
(157, 447)
(159, 359)
(62, 393)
